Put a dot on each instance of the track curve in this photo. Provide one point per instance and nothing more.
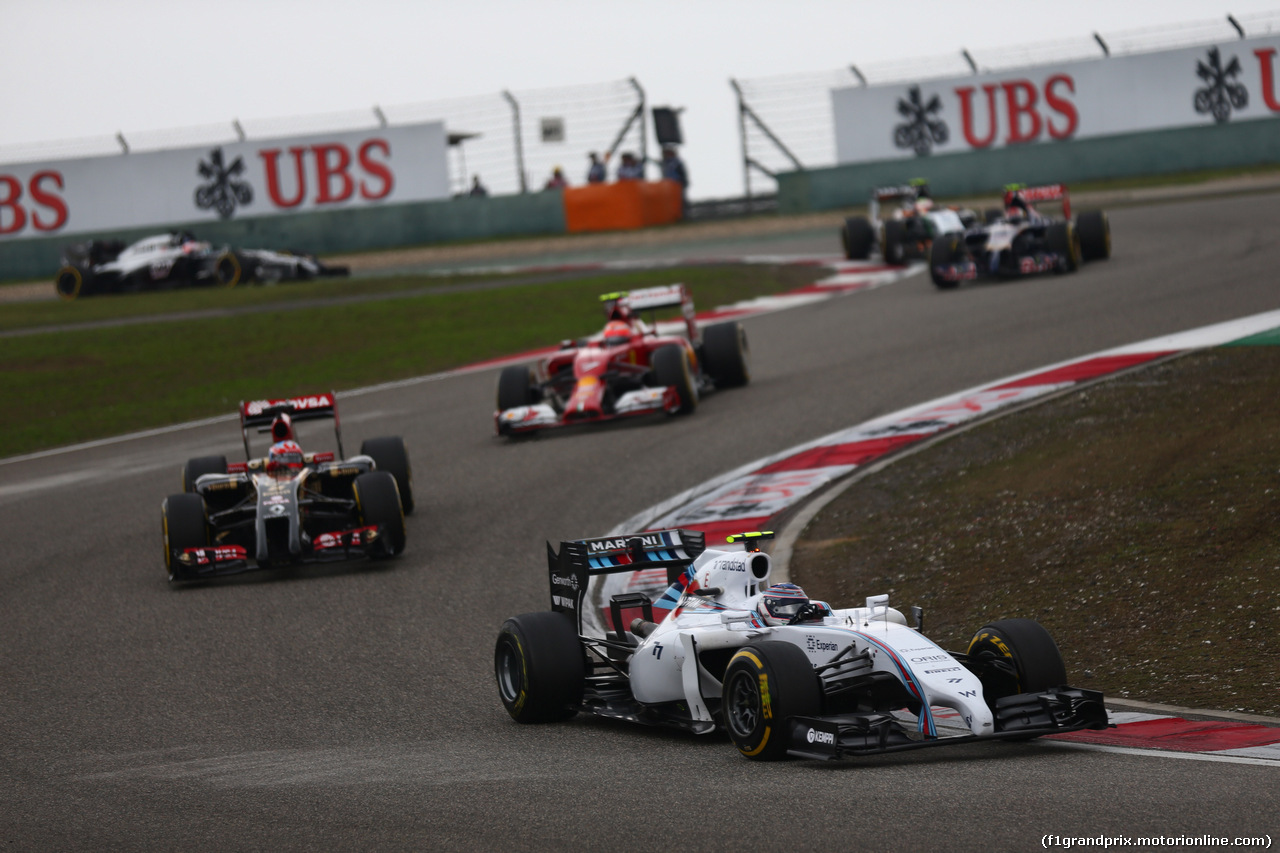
(355, 707)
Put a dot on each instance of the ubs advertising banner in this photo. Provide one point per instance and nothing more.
(1233, 81)
(244, 179)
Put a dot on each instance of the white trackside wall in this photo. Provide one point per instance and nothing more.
(250, 179)
(1228, 82)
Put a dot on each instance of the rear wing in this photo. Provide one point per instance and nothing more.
(258, 414)
(655, 299)
(910, 191)
(572, 569)
(1048, 192)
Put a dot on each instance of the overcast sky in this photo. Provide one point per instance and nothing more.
(73, 68)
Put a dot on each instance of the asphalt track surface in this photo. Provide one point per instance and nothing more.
(354, 707)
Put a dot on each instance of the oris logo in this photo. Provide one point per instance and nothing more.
(815, 736)
(930, 658)
(813, 644)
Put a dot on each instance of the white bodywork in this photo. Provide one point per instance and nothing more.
(664, 666)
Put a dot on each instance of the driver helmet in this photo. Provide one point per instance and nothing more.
(617, 333)
(285, 458)
(780, 602)
(282, 428)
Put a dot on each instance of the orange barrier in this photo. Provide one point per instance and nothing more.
(622, 205)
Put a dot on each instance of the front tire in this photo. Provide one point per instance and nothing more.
(946, 250)
(1019, 656)
(725, 351)
(765, 684)
(1094, 229)
(230, 269)
(389, 454)
(538, 662)
(183, 525)
(70, 281)
(671, 368)
(515, 387)
(857, 236)
(378, 503)
(1063, 239)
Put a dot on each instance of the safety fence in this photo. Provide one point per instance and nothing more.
(512, 139)
(786, 122)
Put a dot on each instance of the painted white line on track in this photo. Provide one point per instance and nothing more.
(1159, 753)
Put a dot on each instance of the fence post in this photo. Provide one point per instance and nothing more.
(515, 111)
(644, 135)
(742, 136)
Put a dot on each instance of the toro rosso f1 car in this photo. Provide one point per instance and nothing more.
(782, 675)
(287, 507)
(628, 369)
(175, 259)
(1022, 241)
(905, 233)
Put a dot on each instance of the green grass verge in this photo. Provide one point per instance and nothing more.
(1137, 520)
(73, 386)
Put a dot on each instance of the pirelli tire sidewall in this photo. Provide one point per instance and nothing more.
(1027, 647)
(229, 269)
(71, 281)
(765, 684)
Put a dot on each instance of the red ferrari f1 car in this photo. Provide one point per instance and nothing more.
(628, 369)
(287, 507)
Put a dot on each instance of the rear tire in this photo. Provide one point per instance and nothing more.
(893, 242)
(857, 236)
(388, 454)
(515, 387)
(183, 525)
(1061, 237)
(70, 281)
(725, 351)
(378, 503)
(764, 684)
(1026, 647)
(1094, 229)
(538, 662)
(946, 250)
(671, 368)
(198, 467)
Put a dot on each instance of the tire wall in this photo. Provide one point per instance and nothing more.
(1245, 143)
(328, 232)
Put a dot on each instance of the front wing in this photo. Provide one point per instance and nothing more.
(220, 560)
(644, 401)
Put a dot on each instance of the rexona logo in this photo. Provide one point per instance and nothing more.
(815, 736)
(599, 546)
(814, 644)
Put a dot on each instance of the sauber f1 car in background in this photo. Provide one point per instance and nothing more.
(287, 507)
(782, 675)
(907, 231)
(628, 369)
(1022, 241)
(175, 259)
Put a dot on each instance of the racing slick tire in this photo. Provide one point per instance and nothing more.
(726, 353)
(231, 269)
(946, 250)
(893, 242)
(671, 367)
(539, 665)
(72, 281)
(198, 466)
(1016, 656)
(765, 684)
(378, 503)
(1094, 229)
(389, 455)
(516, 387)
(857, 236)
(183, 525)
(1062, 238)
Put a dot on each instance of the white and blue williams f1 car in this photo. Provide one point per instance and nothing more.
(782, 675)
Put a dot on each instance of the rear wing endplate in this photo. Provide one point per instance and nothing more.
(572, 569)
(1047, 192)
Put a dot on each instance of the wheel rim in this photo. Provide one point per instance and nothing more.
(742, 708)
(510, 674)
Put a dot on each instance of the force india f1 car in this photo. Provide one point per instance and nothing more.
(175, 259)
(1022, 241)
(782, 675)
(907, 232)
(288, 507)
(628, 369)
